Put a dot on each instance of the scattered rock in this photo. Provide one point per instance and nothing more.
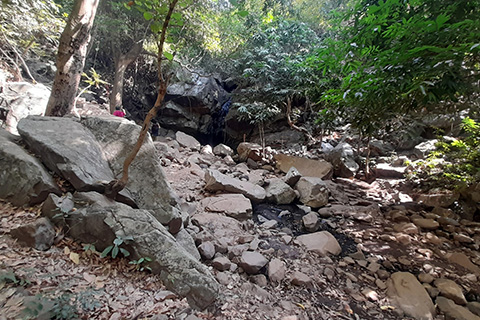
(313, 192)
(279, 192)
(450, 290)
(252, 262)
(222, 150)
(207, 250)
(301, 279)
(343, 160)
(462, 260)
(221, 263)
(233, 205)
(276, 270)
(248, 150)
(322, 243)
(216, 181)
(307, 167)
(444, 200)
(423, 149)
(187, 141)
(292, 177)
(39, 234)
(454, 311)
(311, 221)
(427, 224)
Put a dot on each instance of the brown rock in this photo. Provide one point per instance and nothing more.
(462, 260)
(301, 279)
(38, 234)
(408, 228)
(313, 192)
(428, 224)
(233, 205)
(454, 311)
(221, 263)
(307, 167)
(450, 290)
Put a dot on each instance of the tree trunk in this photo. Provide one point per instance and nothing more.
(72, 52)
(115, 186)
(122, 61)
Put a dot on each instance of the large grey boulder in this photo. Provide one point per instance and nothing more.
(407, 292)
(23, 99)
(67, 148)
(342, 158)
(100, 220)
(306, 167)
(279, 192)
(147, 182)
(313, 191)
(216, 181)
(23, 179)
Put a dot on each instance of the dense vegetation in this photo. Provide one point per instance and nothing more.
(369, 63)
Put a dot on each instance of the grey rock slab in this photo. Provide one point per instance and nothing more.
(187, 141)
(23, 179)
(233, 205)
(38, 234)
(100, 220)
(186, 241)
(306, 167)
(147, 182)
(23, 99)
(405, 291)
(279, 192)
(449, 289)
(219, 226)
(454, 311)
(222, 150)
(216, 181)
(313, 191)
(322, 243)
(252, 262)
(67, 148)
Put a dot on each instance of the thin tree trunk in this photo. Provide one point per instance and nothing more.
(71, 56)
(122, 61)
(116, 186)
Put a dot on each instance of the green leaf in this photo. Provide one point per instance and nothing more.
(106, 251)
(148, 15)
(156, 27)
(114, 252)
(168, 55)
(124, 252)
(242, 13)
(117, 241)
(177, 16)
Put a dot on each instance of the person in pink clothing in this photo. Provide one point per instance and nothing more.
(119, 112)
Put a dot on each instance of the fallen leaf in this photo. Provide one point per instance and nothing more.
(89, 277)
(75, 257)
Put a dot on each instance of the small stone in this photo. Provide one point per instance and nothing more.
(380, 284)
(425, 278)
(311, 222)
(329, 273)
(462, 238)
(259, 279)
(269, 224)
(223, 278)
(408, 228)
(301, 279)
(383, 274)
(362, 263)
(373, 267)
(287, 239)
(207, 250)
(38, 234)
(322, 243)
(276, 270)
(221, 263)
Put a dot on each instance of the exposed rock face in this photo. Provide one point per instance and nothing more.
(313, 192)
(233, 205)
(322, 243)
(307, 167)
(99, 220)
(23, 179)
(23, 99)
(411, 296)
(67, 148)
(147, 183)
(38, 235)
(279, 192)
(343, 161)
(216, 181)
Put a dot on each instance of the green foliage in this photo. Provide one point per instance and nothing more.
(455, 164)
(392, 57)
(257, 112)
(115, 249)
(142, 264)
(31, 24)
